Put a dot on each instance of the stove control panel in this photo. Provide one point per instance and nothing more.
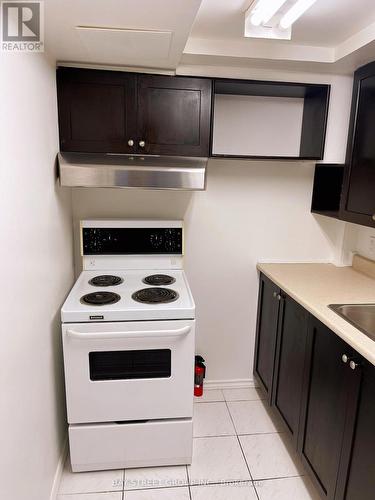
(132, 241)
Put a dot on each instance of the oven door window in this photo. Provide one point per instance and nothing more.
(120, 365)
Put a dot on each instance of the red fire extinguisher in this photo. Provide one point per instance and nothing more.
(199, 375)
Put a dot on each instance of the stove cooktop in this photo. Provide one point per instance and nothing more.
(159, 280)
(126, 298)
(155, 295)
(100, 298)
(106, 280)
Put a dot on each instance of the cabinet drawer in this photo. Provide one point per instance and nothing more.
(132, 444)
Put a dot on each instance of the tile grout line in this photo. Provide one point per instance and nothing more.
(188, 480)
(243, 454)
(254, 481)
(277, 478)
(123, 484)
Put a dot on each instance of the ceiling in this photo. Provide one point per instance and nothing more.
(333, 35)
(165, 26)
(327, 23)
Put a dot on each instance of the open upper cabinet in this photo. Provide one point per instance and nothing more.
(269, 120)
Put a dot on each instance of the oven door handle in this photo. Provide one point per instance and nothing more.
(128, 335)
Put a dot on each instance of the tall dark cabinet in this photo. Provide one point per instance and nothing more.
(359, 181)
(346, 191)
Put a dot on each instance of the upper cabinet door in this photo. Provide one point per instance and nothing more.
(359, 185)
(96, 111)
(174, 115)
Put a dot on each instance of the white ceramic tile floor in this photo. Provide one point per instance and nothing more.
(210, 395)
(92, 496)
(90, 482)
(212, 419)
(217, 460)
(257, 463)
(155, 477)
(268, 456)
(252, 417)
(245, 394)
(159, 494)
(236, 491)
(298, 488)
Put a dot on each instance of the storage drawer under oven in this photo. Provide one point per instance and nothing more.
(123, 445)
(128, 371)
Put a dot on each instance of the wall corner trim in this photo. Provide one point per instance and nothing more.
(59, 470)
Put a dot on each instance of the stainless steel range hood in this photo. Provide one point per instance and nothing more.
(131, 171)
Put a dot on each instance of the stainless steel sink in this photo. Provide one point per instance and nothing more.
(362, 316)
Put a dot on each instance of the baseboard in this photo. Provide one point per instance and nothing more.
(59, 470)
(237, 383)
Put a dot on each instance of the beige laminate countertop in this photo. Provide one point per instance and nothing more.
(314, 286)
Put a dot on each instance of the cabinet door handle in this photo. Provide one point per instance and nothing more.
(130, 142)
(345, 358)
(373, 217)
(353, 365)
(278, 296)
(274, 295)
(142, 144)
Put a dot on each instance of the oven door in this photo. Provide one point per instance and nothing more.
(129, 371)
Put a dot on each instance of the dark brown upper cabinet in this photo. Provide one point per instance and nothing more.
(174, 115)
(118, 112)
(269, 120)
(97, 110)
(358, 200)
(327, 191)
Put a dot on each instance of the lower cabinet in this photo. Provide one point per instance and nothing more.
(323, 392)
(289, 363)
(358, 471)
(268, 311)
(328, 386)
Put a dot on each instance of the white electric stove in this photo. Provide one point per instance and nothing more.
(128, 329)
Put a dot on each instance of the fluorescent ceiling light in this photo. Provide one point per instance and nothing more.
(295, 12)
(265, 10)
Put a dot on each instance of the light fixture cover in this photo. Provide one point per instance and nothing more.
(295, 12)
(261, 21)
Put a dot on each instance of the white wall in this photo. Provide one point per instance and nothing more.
(36, 273)
(251, 125)
(361, 239)
(251, 211)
